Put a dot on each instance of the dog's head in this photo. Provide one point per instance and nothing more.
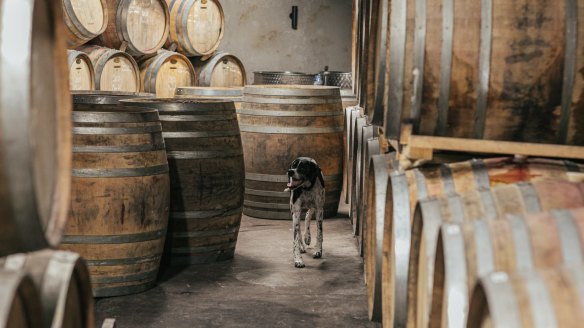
(303, 173)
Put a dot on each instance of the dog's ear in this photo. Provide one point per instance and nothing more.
(316, 173)
(295, 163)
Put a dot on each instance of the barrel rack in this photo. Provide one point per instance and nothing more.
(413, 149)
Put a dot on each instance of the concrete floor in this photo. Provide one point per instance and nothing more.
(259, 288)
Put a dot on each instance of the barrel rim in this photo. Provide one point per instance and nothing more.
(210, 91)
(291, 90)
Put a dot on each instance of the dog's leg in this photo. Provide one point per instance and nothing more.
(298, 262)
(319, 220)
(307, 238)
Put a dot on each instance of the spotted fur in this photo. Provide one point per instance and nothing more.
(307, 192)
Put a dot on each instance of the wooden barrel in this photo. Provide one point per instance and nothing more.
(142, 25)
(473, 71)
(119, 210)
(487, 204)
(114, 70)
(541, 298)
(279, 124)
(470, 251)
(355, 114)
(220, 70)
(207, 176)
(196, 27)
(35, 130)
(20, 304)
(62, 280)
(371, 148)
(404, 191)
(81, 73)
(381, 167)
(367, 131)
(165, 72)
(84, 20)
(346, 138)
(360, 123)
(231, 94)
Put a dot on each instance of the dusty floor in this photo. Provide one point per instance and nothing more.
(259, 288)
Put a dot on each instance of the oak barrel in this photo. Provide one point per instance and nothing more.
(380, 168)
(279, 124)
(234, 94)
(407, 188)
(196, 26)
(81, 72)
(20, 304)
(353, 115)
(84, 20)
(142, 25)
(370, 148)
(357, 135)
(35, 126)
(165, 72)
(346, 139)
(523, 197)
(470, 251)
(499, 70)
(541, 298)
(62, 280)
(220, 70)
(121, 196)
(207, 176)
(114, 70)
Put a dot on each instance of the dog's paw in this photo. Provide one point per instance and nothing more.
(317, 254)
(307, 239)
(299, 264)
(302, 249)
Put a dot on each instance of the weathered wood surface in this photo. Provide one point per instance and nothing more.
(498, 70)
(491, 204)
(542, 298)
(62, 280)
(196, 27)
(220, 70)
(165, 72)
(470, 251)
(207, 175)
(121, 196)
(143, 26)
(279, 124)
(84, 20)
(114, 70)
(35, 130)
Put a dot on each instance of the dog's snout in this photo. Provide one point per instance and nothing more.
(290, 172)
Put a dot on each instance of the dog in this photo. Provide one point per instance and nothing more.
(306, 187)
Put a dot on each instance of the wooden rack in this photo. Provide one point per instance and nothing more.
(417, 148)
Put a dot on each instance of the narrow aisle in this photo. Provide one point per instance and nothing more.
(259, 288)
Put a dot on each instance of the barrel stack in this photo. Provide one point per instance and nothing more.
(467, 195)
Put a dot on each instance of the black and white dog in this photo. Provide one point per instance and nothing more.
(306, 184)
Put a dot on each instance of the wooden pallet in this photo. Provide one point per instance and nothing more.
(416, 148)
